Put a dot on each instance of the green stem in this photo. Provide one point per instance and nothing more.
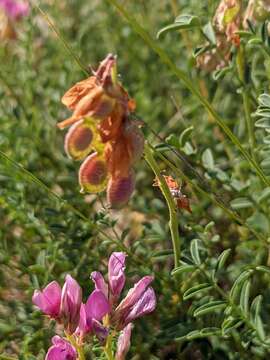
(78, 347)
(249, 122)
(173, 223)
(246, 103)
(60, 36)
(108, 348)
(189, 84)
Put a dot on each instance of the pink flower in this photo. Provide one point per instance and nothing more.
(63, 305)
(49, 299)
(140, 300)
(123, 343)
(91, 313)
(15, 9)
(71, 300)
(61, 350)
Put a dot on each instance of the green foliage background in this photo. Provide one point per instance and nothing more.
(48, 231)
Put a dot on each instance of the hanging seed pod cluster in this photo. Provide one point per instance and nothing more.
(102, 134)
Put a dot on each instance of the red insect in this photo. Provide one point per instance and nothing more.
(181, 200)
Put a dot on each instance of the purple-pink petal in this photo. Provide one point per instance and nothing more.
(83, 327)
(116, 273)
(96, 306)
(100, 331)
(71, 304)
(134, 295)
(15, 9)
(48, 300)
(145, 305)
(61, 350)
(91, 313)
(123, 343)
(99, 282)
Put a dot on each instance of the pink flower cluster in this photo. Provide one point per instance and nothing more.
(81, 319)
(11, 11)
(14, 9)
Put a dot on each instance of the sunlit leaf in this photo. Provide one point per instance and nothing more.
(241, 203)
(197, 289)
(208, 160)
(222, 259)
(194, 250)
(237, 286)
(244, 296)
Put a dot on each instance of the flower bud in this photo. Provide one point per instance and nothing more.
(116, 274)
(119, 190)
(71, 304)
(61, 350)
(100, 283)
(123, 343)
(93, 174)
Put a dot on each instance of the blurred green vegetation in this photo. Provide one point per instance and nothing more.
(43, 237)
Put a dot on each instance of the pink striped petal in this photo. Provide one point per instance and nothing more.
(97, 306)
(116, 275)
(145, 305)
(71, 304)
(132, 297)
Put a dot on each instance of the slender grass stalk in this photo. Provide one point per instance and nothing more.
(249, 122)
(246, 102)
(173, 222)
(60, 36)
(190, 86)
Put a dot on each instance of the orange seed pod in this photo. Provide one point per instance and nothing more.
(120, 189)
(93, 174)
